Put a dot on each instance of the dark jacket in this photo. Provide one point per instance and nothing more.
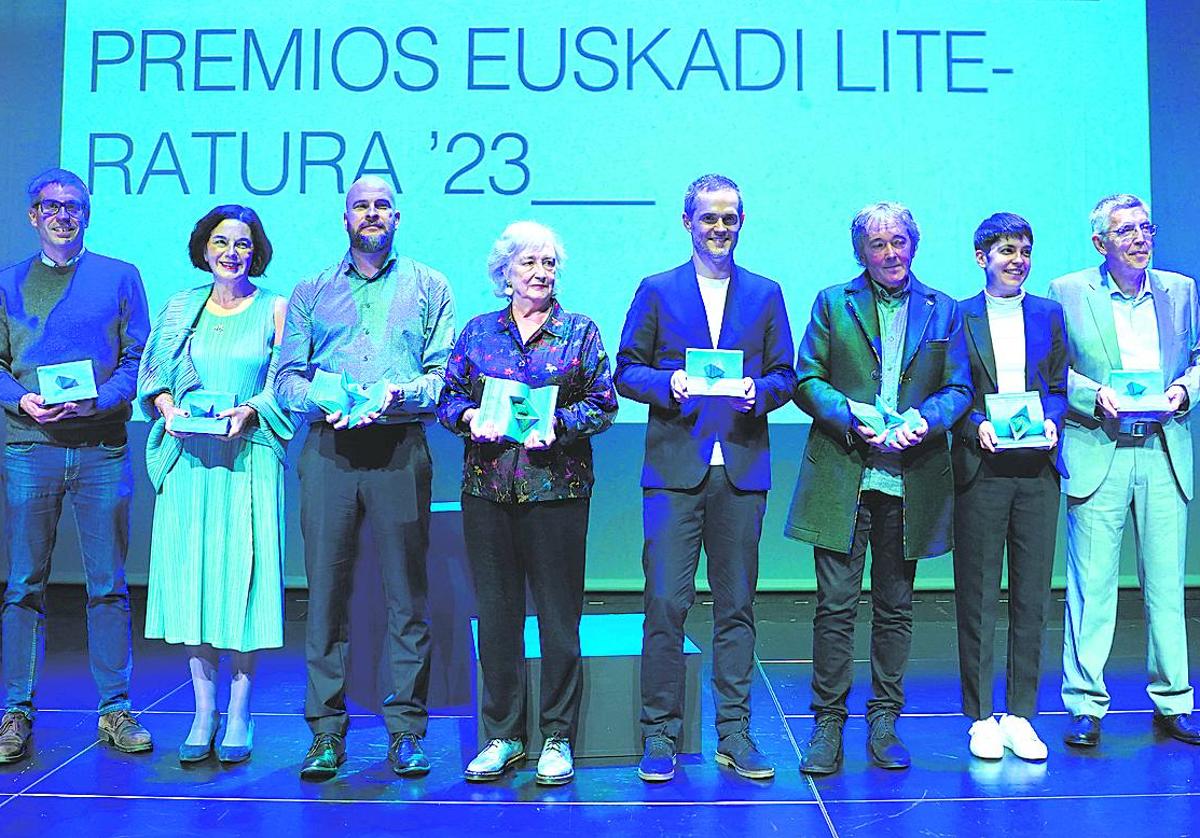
(666, 318)
(839, 359)
(1045, 373)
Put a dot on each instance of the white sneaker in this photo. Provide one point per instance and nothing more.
(987, 742)
(555, 765)
(496, 756)
(1021, 739)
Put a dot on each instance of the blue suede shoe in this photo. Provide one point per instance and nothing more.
(199, 753)
(230, 754)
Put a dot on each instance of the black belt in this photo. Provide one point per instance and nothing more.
(1141, 429)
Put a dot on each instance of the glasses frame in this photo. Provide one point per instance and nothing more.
(81, 210)
(1148, 230)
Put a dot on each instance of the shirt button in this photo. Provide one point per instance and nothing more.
(875, 374)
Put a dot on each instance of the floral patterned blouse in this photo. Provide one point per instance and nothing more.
(566, 350)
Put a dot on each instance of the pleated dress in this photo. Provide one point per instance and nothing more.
(216, 555)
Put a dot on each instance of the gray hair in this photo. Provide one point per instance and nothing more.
(517, 238)
(874, 216)
(1102, 214)
(62, 177)
(708, 183)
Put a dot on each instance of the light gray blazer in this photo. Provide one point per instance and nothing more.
(1088, 442)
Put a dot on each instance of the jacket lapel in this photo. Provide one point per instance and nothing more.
(920, 309)
(980, 332)
(860, 302)
(1167, 352)
(1036, 338)
(1100, 302)
(731, 319)
(693, 315)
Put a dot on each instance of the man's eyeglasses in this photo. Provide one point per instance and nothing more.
(50, 208)
(1125, 232)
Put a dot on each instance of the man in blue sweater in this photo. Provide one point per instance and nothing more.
(59, 305)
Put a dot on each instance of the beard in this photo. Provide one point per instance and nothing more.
(371, 242)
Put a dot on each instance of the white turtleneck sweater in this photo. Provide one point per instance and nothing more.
(1006, 320)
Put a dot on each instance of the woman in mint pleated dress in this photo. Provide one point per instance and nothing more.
(216, 555)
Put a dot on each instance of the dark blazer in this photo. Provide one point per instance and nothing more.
(666, 318)
(839, 359)
(1045, 373)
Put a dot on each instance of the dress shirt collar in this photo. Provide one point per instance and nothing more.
(1117, 294)
(47, 261)
(887, 295)
(554, 321)
(351, 269)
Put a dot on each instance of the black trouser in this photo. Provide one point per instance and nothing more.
(380, 473)
(546, 543)
(879, 522)
(1012, 501)
(728, 523)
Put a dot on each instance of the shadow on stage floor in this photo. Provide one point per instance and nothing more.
(1135, 783)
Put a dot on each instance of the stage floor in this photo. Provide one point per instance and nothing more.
(1135, 783)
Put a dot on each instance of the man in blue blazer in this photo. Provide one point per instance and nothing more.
(1123, 315)
(707, 469)
(886, 335)
(1007, 498)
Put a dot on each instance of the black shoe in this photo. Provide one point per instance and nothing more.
(658, 759)
(328, 751)
(16, 731)
(406, 756)
(1083, 731)
(741, 754)
(823, 753)
(1179, 727)
(884, 746)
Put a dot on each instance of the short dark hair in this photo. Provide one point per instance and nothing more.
(62, 177)
(1002, 225)
(708, 183)
(198, 242)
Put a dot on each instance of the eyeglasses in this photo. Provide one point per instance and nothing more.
(50, 208)
(729, 219)
(1125, 232)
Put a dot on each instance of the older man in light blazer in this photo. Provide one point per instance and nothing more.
(1123, 315)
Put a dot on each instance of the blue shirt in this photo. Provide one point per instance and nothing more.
(884, 471)
(397, 326)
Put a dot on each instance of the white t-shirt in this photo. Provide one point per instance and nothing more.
(713, 292)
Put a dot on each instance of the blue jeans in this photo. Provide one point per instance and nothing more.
(99, 480)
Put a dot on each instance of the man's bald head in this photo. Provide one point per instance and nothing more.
(371, 215)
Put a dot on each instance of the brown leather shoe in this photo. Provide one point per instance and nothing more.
(125, 733)
(16, 731)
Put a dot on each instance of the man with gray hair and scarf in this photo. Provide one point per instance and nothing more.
(883, 338)
(383, 318)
